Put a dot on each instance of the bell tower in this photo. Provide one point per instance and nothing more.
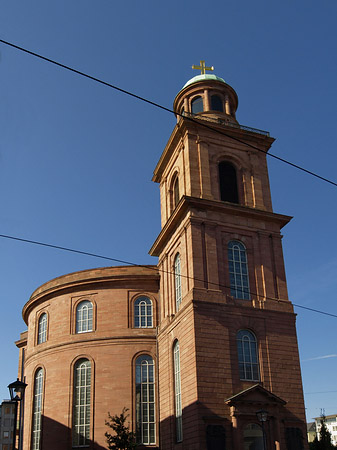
(227, 343)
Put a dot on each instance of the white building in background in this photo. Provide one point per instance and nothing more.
(331, 424)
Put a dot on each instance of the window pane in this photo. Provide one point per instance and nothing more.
(177, 281)
(238, 270)
(37, 410)
(177, 391)
(143, 313)
(84, 315)
(145, 400)
(42, 329)
(247, 356)
(216, 103)
(197, 105)
(82, 399)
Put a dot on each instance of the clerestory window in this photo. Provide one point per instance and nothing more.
(42, 328)
(197, 105)
(216, 103)
(84, 315)
(143, 313)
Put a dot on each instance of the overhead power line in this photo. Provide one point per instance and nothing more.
(108, 258)
(157, 105)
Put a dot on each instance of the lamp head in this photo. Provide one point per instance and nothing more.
(262, 415)
(17, 389)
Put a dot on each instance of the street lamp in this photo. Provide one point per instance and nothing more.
(262, 416)
(17, 393)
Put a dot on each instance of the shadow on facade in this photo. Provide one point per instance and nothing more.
(56, 436)
(204, 430)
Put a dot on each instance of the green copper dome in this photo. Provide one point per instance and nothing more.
(204, 77)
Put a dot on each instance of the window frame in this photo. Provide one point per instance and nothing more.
(42, 328)
(177, 281)
(38, 399)
(139, 316)
(147, 385)
(87, 320)
(237, 278)
(178, 411)
(194, 100)
(85, 408)
(248, 365)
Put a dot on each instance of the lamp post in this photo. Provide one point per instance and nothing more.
(262, 416)
(17, 393)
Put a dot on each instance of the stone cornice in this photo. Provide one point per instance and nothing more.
(90, 279)
(187, 204)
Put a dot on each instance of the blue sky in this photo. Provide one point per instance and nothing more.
(76, 158)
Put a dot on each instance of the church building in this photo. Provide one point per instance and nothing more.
(202, 347)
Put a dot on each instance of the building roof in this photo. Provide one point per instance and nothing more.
(311, 426)
(204, 77)
(331, 416)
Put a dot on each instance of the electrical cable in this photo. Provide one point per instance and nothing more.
(157, 105)
(173, 112)
(58, 247)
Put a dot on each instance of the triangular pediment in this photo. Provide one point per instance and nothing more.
(255, 394)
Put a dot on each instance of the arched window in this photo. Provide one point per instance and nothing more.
(216, 103)
(175, 192)
(145, 401)
(197, 105)
(37, 410)
(238, 270)
(42, 329)
(228, 183)
(177, 392)
(177, 280)
(143, 313)
(247, 356)
(84, 317)
(253, 437)
(81, 403)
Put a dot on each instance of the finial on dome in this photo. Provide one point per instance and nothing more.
(202, 67)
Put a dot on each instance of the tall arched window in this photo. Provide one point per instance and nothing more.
(177, 280)
(177, 392)
(228, 183)
(37, 410)
(81, 403)
(84, 317)
(143, 313)
(175, 192)
(42, 329)
(216, 103)
(197, 105)
(247, 356)
(238, 270)
(145, 401)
